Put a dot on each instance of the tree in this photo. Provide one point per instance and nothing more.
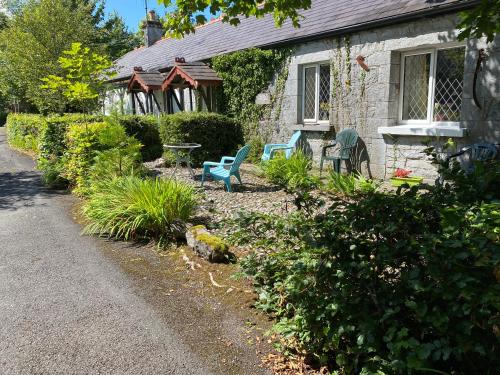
(116, 37)
(186, 14)
(483, 20)
(85, 74)
(30, 48)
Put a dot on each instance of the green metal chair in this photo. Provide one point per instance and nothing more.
(347, 139)
(227, 167)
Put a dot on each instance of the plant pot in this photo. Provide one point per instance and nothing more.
(412, 181)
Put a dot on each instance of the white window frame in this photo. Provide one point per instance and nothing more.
(431, 90)
(317, 66)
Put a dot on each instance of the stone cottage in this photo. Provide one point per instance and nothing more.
(392, 70)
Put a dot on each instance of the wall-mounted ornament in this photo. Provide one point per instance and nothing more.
(361, 62)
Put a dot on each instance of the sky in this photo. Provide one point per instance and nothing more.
(133, 11)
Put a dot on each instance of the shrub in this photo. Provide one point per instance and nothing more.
(256, 149)
(106, 141)
(350, 185)
(394, 283)
(23, 131)
(131, 208)
(217, 134)
(291, 174)
(145, 130)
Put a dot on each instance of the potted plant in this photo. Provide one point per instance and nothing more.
(402, 176)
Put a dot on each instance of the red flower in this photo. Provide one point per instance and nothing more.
(402, 173)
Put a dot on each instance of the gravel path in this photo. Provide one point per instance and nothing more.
(255, 194)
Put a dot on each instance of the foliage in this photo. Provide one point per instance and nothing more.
(217, 134)
(291, 174)
(131, 208)
(23, 131)
(350, 185)
(256, 148)
(106, 142)
(483, 20)
(247, 73)
(145, 130)
(186, 14)
(393, 283)
(30, 47)
(85, 74)
(402, 173)
(117, 38)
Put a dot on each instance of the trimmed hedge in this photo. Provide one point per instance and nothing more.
(145, 130)
(218, 135)
(23, 131)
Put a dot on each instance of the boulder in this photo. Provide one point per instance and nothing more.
(206, 245)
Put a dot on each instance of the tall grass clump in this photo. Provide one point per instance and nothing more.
(131, 208)
(292, 174)
(350, 184)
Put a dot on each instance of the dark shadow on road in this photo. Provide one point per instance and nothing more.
(19, 189)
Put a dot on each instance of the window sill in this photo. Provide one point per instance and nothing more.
(313, 127)
(419, 130)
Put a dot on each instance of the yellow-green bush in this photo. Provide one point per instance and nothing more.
(23, 131)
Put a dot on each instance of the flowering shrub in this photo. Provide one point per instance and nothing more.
(402, 173)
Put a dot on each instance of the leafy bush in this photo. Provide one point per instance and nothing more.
(53, 172)
(218, 135)
(23, 131)
(133, 208)
(394, 283)
(349, 185)
(145, 130)
(291, 174)
(104, 141)
(256, 149)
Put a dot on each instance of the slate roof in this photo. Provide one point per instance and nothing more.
(196, 73)
(325, 18)
(148, 81)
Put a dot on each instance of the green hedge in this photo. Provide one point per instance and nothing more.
(145, 130)
(23, 131)
(218, 135)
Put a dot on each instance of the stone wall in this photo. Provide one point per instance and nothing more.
(369, 100)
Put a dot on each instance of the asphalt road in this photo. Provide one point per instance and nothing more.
(64, 307)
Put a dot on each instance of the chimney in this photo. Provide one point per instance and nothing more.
(153, 29)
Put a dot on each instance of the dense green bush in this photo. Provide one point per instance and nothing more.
(395, 283)
(145, 130)
(133, 208)
(217, 134)
(292, 174)
(23, 131)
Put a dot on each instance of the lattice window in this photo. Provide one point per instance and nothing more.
(316, 94)
(449, 84)
(432, 86)
(310, 93)
(324, 93)
(416, 87)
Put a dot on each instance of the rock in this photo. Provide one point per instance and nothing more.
(206, 245)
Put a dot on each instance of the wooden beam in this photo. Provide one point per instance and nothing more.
(156, 102)
(134, 110)
(204, 96)
(174, 94)
(191, 99)
(140, 103)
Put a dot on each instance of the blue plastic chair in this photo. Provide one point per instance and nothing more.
(227, 167)
(271, 148)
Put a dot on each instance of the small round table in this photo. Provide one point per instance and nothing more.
(182, 153)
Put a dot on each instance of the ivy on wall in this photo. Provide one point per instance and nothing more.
(246, 74)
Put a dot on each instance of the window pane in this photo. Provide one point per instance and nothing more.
(416, 87)
(310, 93)
(449, 84)
(324, 92)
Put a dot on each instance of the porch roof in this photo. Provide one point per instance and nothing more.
(195, 74)
(145, 81)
